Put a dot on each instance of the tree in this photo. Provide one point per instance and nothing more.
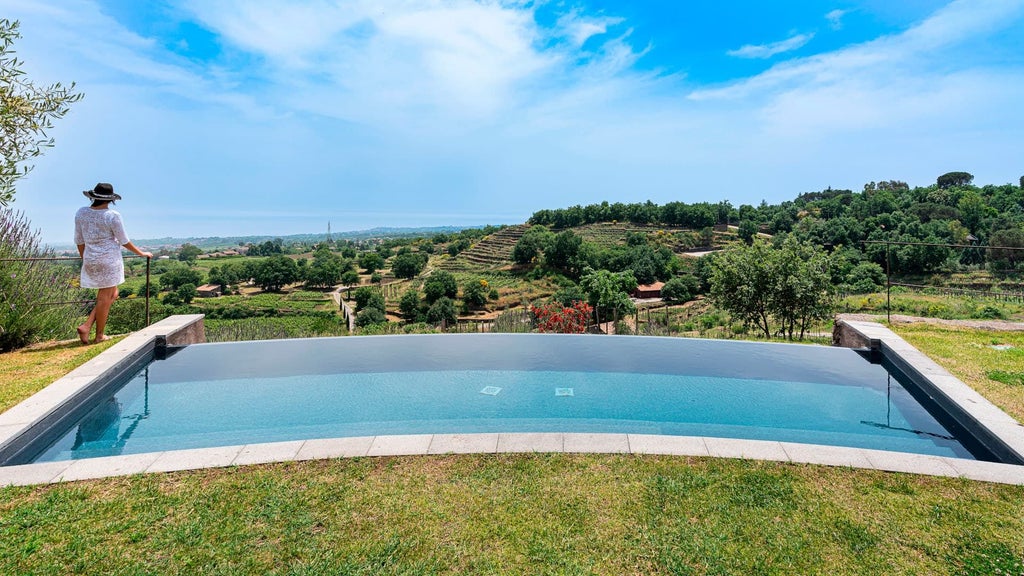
(568, 295)
(409, 304)
(747, 231)
(474, 292)
(950, 179)
(804, 291)
(531, 244)
(367, 297)
(563, 250)
(442, 310)
(441, 283)
(189, 252)
(408, 265)
(865, 277)
(186, 292)
(179, 276)
(680, 289)
(371, 261)
(458, 246)
(326, 269)
(789, 287)
(275, 272)
(1006, 260)
(26, 113)
(742, 281)
(371, 316)
(608, 292)
(350, 278)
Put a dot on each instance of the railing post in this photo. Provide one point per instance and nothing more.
(888, 285)
(147, 290)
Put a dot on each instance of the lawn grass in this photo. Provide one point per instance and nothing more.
(990, 362)
(27, 371)
(515, 514)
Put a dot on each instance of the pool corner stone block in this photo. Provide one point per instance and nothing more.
(985, 417)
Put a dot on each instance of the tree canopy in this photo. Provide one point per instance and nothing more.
(779, 290)
(27, 111)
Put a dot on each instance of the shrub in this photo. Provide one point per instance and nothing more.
(680, 289)
(129, 315)
(442, 310)
(474, 292)
(367, 297)
(369, 316)
(180, 275)
(989, 312)
(865, 277)
(186, 292)
(409, 305)
(563, 319)
(440, 284)
(28, 290)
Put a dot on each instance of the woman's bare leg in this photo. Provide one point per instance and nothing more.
(104, 298)
(85, 327)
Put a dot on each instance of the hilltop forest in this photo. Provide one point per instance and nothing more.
(951, 211)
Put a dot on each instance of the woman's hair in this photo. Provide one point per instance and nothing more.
(98, 203)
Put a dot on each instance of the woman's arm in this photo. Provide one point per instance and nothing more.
(81, 250)
(133, 248)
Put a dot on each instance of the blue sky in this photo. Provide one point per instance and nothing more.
(237, 117)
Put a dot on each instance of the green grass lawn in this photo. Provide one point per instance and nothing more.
(514, 514)
(990, 362)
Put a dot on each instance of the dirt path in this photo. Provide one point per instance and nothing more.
(1004, 325)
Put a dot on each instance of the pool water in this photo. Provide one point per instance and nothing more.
(241, 393)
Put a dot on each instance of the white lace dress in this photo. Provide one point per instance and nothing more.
(102, 232)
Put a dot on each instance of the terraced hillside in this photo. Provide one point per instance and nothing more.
(490, 253)
(606, 234)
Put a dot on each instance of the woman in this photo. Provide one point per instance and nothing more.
(99, 234)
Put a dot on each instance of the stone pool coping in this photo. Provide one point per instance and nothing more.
(178, 330)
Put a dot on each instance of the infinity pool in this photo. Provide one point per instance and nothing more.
(208, 395)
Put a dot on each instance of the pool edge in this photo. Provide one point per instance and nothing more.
(40, 411)
(999, 431)
(180, 330)
(511, 443)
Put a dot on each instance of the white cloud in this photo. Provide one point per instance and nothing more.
(579, 28)
(413, 112)
(835, 18)
(886, 59)
(769, 50)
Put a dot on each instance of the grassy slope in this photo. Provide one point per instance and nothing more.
(970, 355)
(27, 371)
(513, 514)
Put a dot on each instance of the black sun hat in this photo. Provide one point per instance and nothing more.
(103, 192)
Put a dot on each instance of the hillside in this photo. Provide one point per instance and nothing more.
(490, 253)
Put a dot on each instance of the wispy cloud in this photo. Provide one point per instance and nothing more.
(835, 18)
(370, 111)
(769, 50)
(914, 52)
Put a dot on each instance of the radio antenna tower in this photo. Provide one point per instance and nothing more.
(328, 231)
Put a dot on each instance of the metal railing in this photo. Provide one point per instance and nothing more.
(67, 258)
(888, 268)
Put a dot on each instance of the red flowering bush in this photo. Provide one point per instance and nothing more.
(554, 317)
